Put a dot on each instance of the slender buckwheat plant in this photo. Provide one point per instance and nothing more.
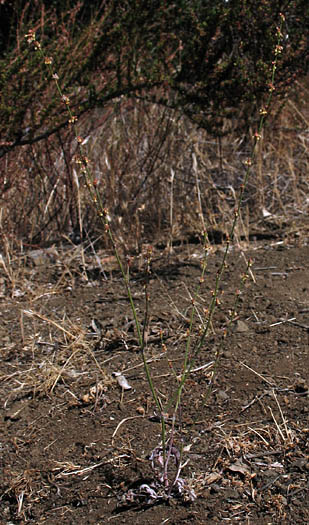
(164, 485)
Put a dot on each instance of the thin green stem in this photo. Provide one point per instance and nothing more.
(256, 138)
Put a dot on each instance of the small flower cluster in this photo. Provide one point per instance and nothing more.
(66, 100)
(48, 61)
(31, 39)
(278, 50)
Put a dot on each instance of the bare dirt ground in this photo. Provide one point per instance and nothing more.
(73, 443)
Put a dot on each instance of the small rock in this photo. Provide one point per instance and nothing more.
(43, 257)
(222, 395)
(283, 500)
(231, 494)
(241, 327)
(299, 463)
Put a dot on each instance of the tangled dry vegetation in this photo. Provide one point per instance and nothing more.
(160, 177)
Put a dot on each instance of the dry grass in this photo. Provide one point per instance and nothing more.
(52, 349)
(160, 177)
